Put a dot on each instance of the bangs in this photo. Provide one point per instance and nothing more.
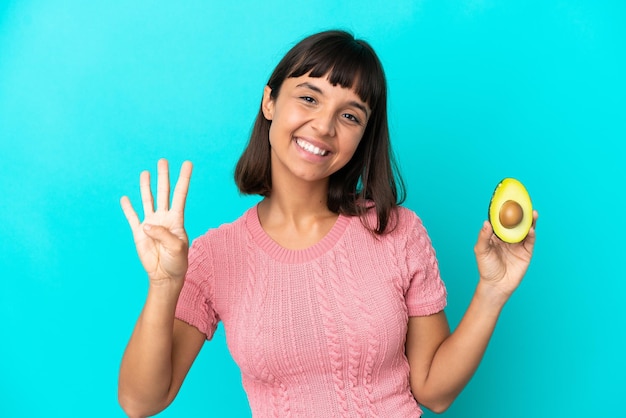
(349, 63)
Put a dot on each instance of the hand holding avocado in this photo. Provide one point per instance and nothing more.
(506, 242)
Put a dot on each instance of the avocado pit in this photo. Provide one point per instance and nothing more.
(511, 214)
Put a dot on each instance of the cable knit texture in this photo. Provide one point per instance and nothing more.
(318, 332)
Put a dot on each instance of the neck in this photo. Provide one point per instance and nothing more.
(296, 207)
(296, 215)
(295, 222)
(295, 198)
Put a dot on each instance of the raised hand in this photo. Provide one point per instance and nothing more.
(503, 265)
(161, 241)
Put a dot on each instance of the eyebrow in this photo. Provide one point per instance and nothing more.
(316, 89)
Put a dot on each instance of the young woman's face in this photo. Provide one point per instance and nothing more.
(316, 127)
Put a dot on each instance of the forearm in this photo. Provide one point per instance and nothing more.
(146, 369)
(458, 357)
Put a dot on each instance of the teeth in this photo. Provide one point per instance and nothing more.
(311, 148)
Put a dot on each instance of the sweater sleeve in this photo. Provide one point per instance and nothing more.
(195, 303)
(426, 294)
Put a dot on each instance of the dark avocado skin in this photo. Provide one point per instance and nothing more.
(510, 189)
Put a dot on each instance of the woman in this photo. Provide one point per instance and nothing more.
(328, 289)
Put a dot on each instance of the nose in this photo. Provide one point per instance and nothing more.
(324, 123)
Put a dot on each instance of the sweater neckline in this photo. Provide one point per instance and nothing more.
(286, 255)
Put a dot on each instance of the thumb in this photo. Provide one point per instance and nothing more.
(483, 243)
(165, 237)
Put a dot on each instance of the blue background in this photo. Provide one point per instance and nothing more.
(91, 93)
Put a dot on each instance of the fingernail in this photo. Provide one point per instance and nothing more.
(147, 227)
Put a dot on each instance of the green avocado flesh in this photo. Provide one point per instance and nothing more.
(510, 211)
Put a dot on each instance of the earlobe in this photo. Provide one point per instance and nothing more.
(267, 105)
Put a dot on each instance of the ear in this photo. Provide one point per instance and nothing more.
(267, 105)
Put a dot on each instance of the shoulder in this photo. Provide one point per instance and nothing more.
(406, 217)
(401, 220)
(404, 225)
(224, 232)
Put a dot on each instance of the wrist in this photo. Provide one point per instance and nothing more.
(490, 296)
(165, 292)
(160, 307)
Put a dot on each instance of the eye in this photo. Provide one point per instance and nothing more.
(351, 118)
(308, 99)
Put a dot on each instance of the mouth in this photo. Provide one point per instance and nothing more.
(310, 148)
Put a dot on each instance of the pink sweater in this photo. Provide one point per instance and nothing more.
(318, 332)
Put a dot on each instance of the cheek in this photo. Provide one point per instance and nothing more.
(354, 142)
(349, 150)
(275, 131)
(283, 124)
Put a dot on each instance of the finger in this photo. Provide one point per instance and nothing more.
(182, 187)
(483, 243)
(170, 242)
(529, 241)
(129, 212)
(163, 185)
(146, 193)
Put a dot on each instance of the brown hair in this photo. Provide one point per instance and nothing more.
(371, 177)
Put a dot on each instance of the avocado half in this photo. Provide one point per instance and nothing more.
(510, 211)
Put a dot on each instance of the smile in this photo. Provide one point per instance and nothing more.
(307, 146)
